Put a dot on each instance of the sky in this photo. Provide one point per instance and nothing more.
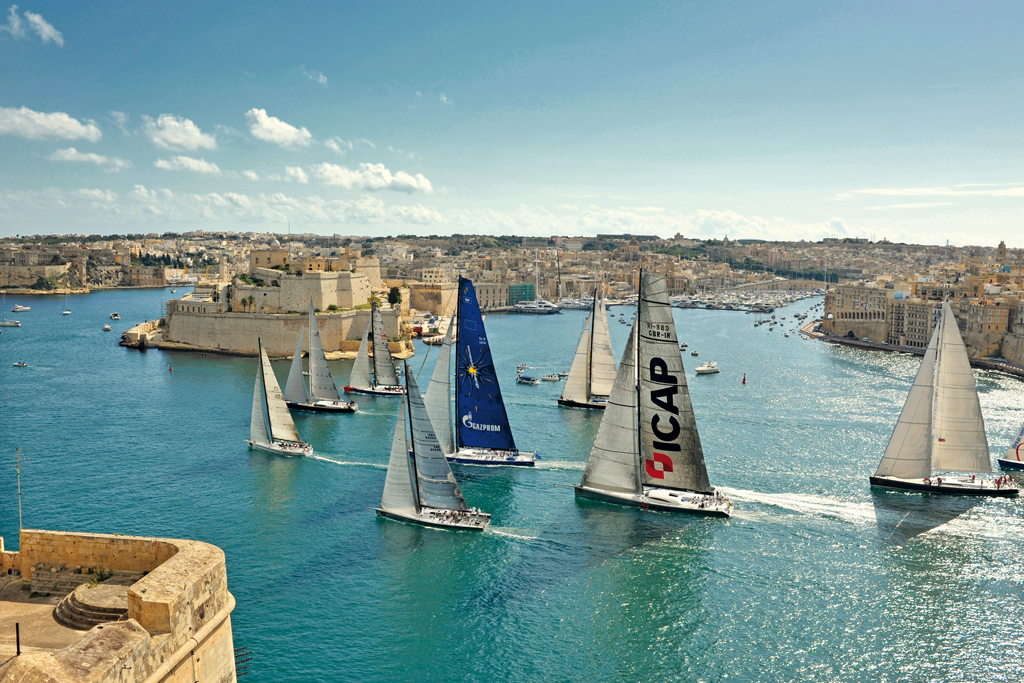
(782, 120)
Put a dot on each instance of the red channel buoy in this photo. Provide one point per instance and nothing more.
(744, 378)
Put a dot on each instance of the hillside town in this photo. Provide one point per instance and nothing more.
(880, 292)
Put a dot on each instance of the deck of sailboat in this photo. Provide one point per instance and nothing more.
(589, 405)
(714, 509)
(277, 449)
(486, 457)
(439, 519)
(324, 406)
(949, 486)
(1011, 464)
(377, 391)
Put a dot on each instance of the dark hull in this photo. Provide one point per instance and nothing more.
(955, 490)
(374, 392)
(1011, 464)
(576, 404)
(424, 522)
(313, 408)
(466, 460)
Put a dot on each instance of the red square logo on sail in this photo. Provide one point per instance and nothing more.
(653, 470)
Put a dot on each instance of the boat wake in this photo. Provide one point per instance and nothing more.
(858, 513)
(558, 465)
(349, 463)
(519, 534)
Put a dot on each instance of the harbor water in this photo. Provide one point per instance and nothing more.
(815, 577)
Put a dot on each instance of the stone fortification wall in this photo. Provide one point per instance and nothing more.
(439, 298)
(1013, 348)
(178, 627)
(238, 332)
(293, 292)
(9, 559)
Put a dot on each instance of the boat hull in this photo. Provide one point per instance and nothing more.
(280, 450)
(325, 406)
(950, 486)
(376, 391)
(469, 521)
(490, 458)
(10, 323)
(1011, 464)
(650, 500)
(589, 405)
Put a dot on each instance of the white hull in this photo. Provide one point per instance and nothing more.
(664, 500)
(455, 520)
(279, 448)
(488, 457)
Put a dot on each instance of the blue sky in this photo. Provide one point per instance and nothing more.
(790, 120)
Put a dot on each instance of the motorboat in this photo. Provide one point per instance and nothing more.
(106, 328)
(18, 308)
(115, 316)
(693, 353)
(21, 365)
(708, 368)
(551, 378)
(526, 379)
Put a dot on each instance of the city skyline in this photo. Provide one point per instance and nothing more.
(856, 120)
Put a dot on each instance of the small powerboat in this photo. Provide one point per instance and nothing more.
(708, 368)
(106, 328)
(551, 378)
(525, 379)
(21, 365)
(115, 316)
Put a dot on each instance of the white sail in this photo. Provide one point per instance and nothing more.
(258, 425)
(670, 450)
(360, 377)
(439, 396)
(909, 453)
(281, 425)
(613, 464)
(602, 361)
(383, 366)
(1016, 449)
(399, 491)
(295, 386)
(436, 484)
(321, 382)
(575, 388)
(959, 443)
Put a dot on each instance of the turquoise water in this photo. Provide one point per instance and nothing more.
(815, 578)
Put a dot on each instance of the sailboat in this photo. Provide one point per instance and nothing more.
(384, 381)
(648, 452)
(322, 395)
(4, 322)
(66, 311)
(420, 487)
(1012, 460)
(482, 434)
(592, 373)
(272, 428)
(941, 428)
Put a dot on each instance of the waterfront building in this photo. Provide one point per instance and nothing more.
(521, 291)
(492, 295)
(857, 310)
(102, 607)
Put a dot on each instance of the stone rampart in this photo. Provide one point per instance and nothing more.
(1013, 348)
(99, 551)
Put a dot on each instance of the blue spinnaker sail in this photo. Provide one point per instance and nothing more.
(480, 417)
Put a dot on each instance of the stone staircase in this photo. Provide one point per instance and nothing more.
(60, 580)
(89, 606)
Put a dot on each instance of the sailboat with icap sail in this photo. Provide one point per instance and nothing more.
(941, 428)
(648, 452)
(322, 395)
(420, 487)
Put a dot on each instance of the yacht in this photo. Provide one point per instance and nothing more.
(708, 368)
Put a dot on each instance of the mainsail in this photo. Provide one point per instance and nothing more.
(959, 443)
(258, 425)
(281, 425)
(400, 483)
(613, 464)
(602, 362)
(360, 377)
(439, 396)
(1016, 449)
(383, 367)
(670, 448)
(436, 484)
(909, 453)
(577, 383)
(295, 387)
(480, 417)
(321, 382)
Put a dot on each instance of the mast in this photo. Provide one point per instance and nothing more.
(590, 347)
(457, 319)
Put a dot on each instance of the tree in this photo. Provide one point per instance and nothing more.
(394, 296)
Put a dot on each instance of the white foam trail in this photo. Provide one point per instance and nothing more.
(558, 465)
(510, 533)
(860, 513)
(349, 463)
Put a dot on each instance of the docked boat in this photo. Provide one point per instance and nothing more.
(648, 452)
(322, 394)
(941, 428)
(482, 434)
(592, 372)
(420, 487)
(384, 380)
(115, 316)
(18, 308)
(1012, 460)
(526, 379)
(708, 368)
(271, 428)
(539, 307)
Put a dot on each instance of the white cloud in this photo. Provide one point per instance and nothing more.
(180, 163)
(177, 133)
(13, 25)
(315, 76)
(445, 100)
(942, 191)
(371, 177)
(120, 120)
(45, 30)
(107, 196)
(251, 175)
(416, 214)
(918, 205)
(336, 145)
(273, 129)
(36, 125)
(297, 174)
(367, 143)
(72, 154)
